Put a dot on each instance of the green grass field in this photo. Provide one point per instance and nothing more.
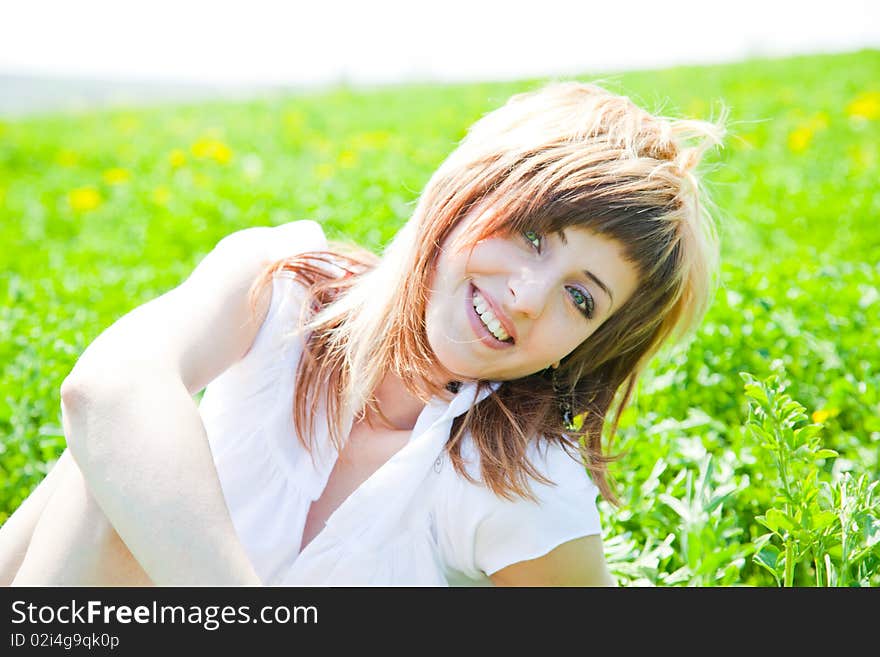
(722, 484)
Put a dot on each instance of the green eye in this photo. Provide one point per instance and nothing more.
(533, 237)
(585, 299)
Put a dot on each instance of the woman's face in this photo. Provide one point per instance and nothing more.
(550, 292)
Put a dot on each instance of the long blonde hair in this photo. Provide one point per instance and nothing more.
(566, 154)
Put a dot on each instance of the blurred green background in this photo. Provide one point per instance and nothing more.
(102, 211)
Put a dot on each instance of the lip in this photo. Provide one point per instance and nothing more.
(477, 324)
(506, 324)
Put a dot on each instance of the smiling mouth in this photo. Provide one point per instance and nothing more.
(485, 324)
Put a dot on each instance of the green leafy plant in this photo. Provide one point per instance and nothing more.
(708, 536)
(831, 527)
(101, 211)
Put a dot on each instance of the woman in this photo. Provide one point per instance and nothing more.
(403, 420)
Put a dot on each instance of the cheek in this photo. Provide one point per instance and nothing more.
(448, 272)
(574, 337)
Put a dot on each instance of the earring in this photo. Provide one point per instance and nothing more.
(453, 386)
(563, 400)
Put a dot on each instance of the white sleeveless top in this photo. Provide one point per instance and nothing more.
(414, 522)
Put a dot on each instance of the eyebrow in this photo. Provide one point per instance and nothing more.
(587, 272)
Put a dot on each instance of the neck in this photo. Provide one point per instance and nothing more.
(396, 403)
(400, 406)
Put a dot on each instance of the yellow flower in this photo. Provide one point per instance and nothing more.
(212, 149)
(347, 159)
(66, 158)
(177, 158)
(578, 420)
(222, 153)
(84, 198)
(823, 414)
(116, 176)
(161, 195)
(800, 138)
(865, 106)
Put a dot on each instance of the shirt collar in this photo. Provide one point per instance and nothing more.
(439, 410)
(470, 393)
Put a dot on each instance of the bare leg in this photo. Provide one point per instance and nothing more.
(16, 532)
(73, 543)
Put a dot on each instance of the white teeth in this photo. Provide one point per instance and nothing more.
(489, 318)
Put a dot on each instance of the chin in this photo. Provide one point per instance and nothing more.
(447, 356)
(457, 367)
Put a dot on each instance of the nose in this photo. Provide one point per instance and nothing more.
(529, 291)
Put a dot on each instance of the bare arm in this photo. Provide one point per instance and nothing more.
(148, 465)
(580, 562)
(135, 430)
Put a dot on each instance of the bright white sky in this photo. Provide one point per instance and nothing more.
(304, 42)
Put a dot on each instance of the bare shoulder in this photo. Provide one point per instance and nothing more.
(579, 562)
